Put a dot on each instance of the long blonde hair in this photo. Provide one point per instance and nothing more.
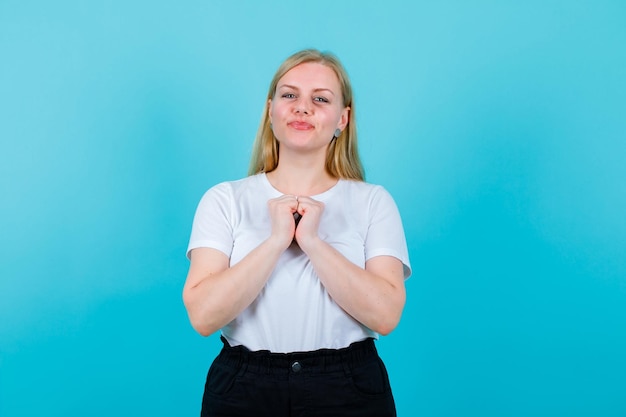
(342, 157)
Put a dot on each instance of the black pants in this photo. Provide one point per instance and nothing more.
(347, 382)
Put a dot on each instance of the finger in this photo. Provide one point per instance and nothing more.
(289, 200)
(305, 203)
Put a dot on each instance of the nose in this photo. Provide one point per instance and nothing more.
(302, 107)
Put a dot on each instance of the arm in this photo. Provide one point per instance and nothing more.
(215, 293)
(374, 296)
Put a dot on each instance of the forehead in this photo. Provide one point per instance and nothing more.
(311, 75)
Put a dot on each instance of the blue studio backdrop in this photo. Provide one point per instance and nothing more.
(498, 126)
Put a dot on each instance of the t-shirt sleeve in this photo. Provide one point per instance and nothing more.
(212, 223)
(385, 234)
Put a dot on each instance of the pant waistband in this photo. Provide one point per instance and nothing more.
(322, 360)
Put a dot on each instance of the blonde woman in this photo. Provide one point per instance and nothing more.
(301, 265)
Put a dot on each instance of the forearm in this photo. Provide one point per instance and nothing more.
(376, 299)
(215, 299)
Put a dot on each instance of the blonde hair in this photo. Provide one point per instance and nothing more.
(342, 157)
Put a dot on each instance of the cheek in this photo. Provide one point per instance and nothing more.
(332, 119)
(276, 112)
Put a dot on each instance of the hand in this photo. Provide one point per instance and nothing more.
(281, 210)
(307, 230)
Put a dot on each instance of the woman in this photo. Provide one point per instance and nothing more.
(301, 264)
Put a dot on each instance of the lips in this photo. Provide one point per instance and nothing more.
(298, 125)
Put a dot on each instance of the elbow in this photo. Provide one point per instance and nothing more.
(385, 327)
(385, 331)
(388, 320)
(198, 319)
(203, 330)
(388, 310)
(202, 326)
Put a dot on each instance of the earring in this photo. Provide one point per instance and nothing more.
(271, 127)
(337, 132)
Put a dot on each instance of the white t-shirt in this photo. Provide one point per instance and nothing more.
(294, 312)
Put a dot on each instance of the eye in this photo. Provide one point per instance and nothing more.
(288, 95)
(321, 99)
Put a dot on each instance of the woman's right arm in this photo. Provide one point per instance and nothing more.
(214, 293)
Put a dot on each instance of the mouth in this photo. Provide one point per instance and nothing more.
(299, 125)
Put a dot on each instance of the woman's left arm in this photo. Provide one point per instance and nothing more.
(374, 296)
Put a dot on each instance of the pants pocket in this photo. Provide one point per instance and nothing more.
(220, 379)
(370, 378)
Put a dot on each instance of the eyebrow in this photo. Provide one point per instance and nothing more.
(316, 90)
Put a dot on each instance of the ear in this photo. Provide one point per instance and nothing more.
(269, 109)
(344, 119)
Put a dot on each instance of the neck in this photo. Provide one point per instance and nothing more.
(300, 178)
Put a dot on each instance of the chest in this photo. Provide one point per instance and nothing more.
(342, 225)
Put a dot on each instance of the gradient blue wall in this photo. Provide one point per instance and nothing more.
(499, 127)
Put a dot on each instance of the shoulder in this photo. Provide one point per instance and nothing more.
(359, 186)
(230, 189)
(365, 190)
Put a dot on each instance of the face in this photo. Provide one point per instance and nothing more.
(307, 107)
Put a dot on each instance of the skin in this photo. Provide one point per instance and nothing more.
(304, 112)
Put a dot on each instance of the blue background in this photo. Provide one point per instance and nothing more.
(498, 126)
